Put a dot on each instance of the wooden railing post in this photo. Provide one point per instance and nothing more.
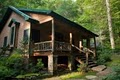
(87, 57)
(70, 56)
(94, 48)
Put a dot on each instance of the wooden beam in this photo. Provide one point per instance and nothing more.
(80, 44)
(70, 38)
(53, 36)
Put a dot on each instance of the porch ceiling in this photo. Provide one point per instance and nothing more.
(68, 28)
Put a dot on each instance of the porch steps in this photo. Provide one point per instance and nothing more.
(82, 59)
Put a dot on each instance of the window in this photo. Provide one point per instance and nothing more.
(26, 35)
(10, 23)
(5, 42)
(12, 35)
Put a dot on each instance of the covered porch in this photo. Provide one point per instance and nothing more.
(54, 38)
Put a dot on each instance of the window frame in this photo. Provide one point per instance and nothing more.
(5, 41)
(12, 35)
(26, 35)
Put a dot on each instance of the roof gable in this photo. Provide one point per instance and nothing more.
(9, 12)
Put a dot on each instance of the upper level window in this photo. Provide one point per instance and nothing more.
(12, 35)
(5, 42)
(10, 24)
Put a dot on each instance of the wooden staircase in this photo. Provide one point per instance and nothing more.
(86, 56)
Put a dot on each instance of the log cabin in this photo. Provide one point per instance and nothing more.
(51, 37)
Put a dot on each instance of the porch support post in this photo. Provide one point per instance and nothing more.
(80, 45)
(50, 57)
(70, 57)
(53, 36)
(50, 64)
(95, 47)
(71, 38)
(55, 62)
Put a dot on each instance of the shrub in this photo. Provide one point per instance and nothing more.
(16, 63)
(4, 72)
(82, 67)
(103, 55)
(103, 58)
(39, 64)
(36, 67)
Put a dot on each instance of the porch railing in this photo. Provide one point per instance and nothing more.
(43, 46)
(47, 46)
(62, 46)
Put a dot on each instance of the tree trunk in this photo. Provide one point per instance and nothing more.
(110, 25)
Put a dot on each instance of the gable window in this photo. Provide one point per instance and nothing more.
(26, 35)
(10, 23)
(12, 35)
(5, 42)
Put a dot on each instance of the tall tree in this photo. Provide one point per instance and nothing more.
(115, 12)
(110, 25)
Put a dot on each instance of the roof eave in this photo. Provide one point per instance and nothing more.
(26, 17)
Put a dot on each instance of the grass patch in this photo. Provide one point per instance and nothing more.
(76, 75)
(115, 60)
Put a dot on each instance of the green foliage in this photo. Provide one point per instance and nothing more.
(103, 55)
(30, 76)
(24, 47)
(4, 72)
(82, 67)
(3, 50)
(39, 64)
(16, 63)
(115, 60)
(36, 67)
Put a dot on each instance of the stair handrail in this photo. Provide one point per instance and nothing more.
(78, 48)
(88, 50)
(85, 49)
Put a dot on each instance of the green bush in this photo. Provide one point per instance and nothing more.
(103, 58)
(16, 63)
(103, 55)
(36, 67)
(4, 72)
(39, 64)
(82, 68)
